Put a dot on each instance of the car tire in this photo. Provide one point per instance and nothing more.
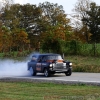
(33, 73)
(69, 72)
(46, 72)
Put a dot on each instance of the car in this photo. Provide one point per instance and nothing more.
(49, 64)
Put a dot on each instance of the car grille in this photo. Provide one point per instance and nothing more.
(59, 66)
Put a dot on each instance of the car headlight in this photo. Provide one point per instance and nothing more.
(50, 65)
(64, 64)
(70, 64)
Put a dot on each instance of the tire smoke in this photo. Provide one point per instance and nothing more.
(13, 68)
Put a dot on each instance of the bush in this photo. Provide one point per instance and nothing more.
(77, 48)
(73, 47)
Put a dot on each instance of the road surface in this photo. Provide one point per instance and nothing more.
(75, 77)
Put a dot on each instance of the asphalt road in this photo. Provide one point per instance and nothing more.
(80, 77)
(75, 77)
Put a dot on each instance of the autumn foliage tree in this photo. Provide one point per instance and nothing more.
(44, 24)
(55, 26)
(20, 39)
(52, 39)
(25, 17)
(4, 39)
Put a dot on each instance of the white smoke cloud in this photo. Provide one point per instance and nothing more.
(13, 68)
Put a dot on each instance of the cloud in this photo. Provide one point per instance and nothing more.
(21, 1)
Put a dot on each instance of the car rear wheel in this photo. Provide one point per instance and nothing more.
(69, 72)
(33, 73)
(46, 72)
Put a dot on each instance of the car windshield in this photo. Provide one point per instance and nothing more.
(54, 57)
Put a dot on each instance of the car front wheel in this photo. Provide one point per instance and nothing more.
(46, 72)
(69, 72)
(33, 73)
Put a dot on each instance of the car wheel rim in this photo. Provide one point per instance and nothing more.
(46, 73)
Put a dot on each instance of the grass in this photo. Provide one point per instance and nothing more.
(85, 63)
(47, 91)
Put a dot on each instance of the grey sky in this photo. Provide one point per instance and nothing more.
(68, 5)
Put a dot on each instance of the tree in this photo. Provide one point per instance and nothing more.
(54, 39)
(10, 17)
(54, 26)
(93, 22)
(20, 39)
(1, 37)
(5, 39)
(80, 33)
(50, 39)
(80, 9)
(53, 14)
(4, 3)
(22, 17)
(36, 20)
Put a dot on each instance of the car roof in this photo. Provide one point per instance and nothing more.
(45, 54)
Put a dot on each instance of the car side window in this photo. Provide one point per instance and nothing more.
(40, 59)
(44, 59)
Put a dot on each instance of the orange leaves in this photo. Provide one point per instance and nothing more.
(55, 33)
(22, 36)
(16, 38)
(83, 34)
(4, 38)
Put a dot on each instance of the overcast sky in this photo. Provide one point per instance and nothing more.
(68, 5)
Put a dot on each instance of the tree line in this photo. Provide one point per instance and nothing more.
(46, 26)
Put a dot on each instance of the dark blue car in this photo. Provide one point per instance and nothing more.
(49, 64)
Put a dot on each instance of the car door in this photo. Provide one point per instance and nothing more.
(44, 63)
(39, 64)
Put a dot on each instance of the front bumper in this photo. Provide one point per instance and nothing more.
(63, 67)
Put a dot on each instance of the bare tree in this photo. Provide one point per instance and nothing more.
(80, 9)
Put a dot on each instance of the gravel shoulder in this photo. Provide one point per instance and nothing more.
(11, 79)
